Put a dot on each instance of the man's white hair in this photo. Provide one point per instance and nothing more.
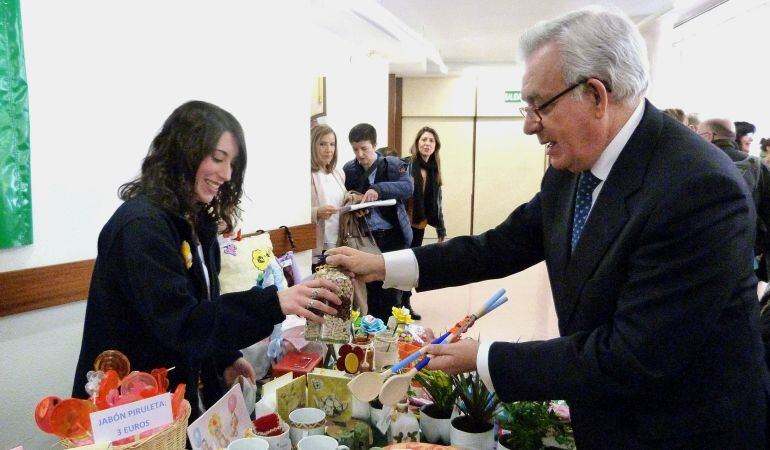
(595, 42)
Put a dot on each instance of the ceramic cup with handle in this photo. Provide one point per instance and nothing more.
(250, 443)
(280, 442)
(320, 442)
(306, 422)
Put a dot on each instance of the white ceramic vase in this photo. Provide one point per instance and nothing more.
(477, 441)
(434, 430)
(501, 446)
(374, 415)
(360, 409)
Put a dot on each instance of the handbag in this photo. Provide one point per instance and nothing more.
(355, 233)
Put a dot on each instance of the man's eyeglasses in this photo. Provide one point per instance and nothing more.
(533, 112)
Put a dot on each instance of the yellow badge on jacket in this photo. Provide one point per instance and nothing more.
(186, 254)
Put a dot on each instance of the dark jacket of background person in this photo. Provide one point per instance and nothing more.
(435, 220)
(392, 180)
(141, 283)
(657, 308)
(757, 176)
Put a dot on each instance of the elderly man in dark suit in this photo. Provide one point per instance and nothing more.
(647, 234)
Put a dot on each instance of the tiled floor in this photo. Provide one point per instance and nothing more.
(528, 314)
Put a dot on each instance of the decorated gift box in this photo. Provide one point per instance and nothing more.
(297, 363)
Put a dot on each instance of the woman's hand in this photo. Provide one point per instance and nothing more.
(299, 299)
(326, 211)
(239, 367)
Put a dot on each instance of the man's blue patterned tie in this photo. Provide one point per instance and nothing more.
(586, 185)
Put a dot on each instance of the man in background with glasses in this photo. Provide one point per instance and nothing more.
(647, 234)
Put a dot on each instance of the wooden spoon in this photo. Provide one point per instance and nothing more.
(366, 386)
(395, 389)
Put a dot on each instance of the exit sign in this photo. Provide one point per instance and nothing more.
(512, 96)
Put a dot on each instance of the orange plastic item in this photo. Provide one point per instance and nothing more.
(137, 383)
(110, 382)
(405, 349)
(161, 376)
(113, 359)
(70, 418)
(176, 400)
(43, 412)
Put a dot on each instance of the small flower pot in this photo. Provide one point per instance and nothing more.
(501, 443)
(481, 440)
(434, 429)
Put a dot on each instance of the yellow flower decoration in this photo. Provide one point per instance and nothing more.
(261, 258)
(186, 254)
(402, 315)
(354, 314)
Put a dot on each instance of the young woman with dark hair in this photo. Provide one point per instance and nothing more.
(424, 208)
(154, 293)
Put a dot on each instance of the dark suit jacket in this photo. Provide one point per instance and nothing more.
(657, 307)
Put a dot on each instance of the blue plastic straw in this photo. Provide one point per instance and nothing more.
(417, 354)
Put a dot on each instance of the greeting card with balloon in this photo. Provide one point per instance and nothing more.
(226, 421)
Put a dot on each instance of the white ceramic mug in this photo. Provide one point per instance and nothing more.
(306, 422)
(280, 442)
(320, 442)
(249, 443)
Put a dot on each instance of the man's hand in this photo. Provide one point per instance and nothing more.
(454, 358)
(370, 196)
(326, 211)
(239, 367)
(364, 266)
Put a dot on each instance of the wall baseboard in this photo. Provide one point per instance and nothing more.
(42, 287)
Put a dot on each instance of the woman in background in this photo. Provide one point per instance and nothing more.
(327, 188)
(424, 208)
(154, 293)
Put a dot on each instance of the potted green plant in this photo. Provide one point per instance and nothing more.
(478, 406)
(434, 418)
(533, 426)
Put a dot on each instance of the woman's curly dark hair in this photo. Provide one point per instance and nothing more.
(190, 134)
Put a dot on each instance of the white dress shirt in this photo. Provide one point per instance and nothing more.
(402, 271)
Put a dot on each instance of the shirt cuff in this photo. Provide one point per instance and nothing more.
(401, 270)
(482, 365)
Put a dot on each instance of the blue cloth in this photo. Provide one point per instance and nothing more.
(375, 219)
(392, 180)
(586, 185)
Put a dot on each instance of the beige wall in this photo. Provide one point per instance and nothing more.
(509, 167)
(509, 164)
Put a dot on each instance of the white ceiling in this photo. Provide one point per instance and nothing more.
(435, 37)
(487, 31)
